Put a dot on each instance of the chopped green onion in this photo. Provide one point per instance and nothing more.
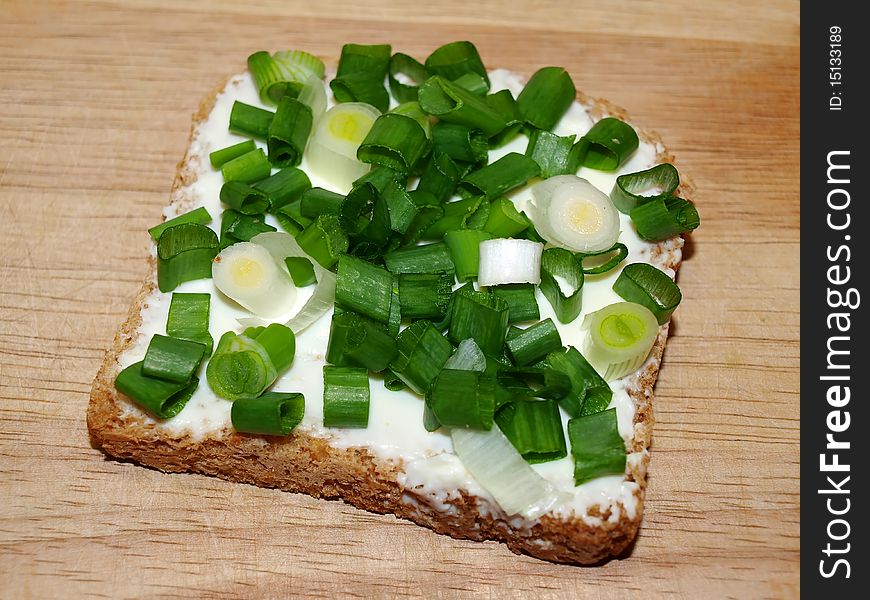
(504, 104)
(462, 399)
(424, 295)
(663, 218)
(345, 397)
(163, 399)
(534, 343)
(288, 133)
(313, 95)
(459, 215)
(250, 121)
(535, 382)
(510, 171)
(428, 213)
(332, 152)
(198, 215)
(283, 74)
(282, 246)
(560, 264)
(411, 69)
(547, 97)
(301, 270)
(361, 88)
(184, 253)
(422, 352)
(379, 177)
(554, 154)
(243, 366)
(459, 142)
(520, 298)
(284, 187)
(319, 201)
(497, 466)
(363, 287)
(629, 190)
(644, 284)
(464, 246)
(413, 111)
(220, 157)
(394, 141)
(456, 59)
(394, 322)
(365, 216)
(357, 341)
(620, 338)
(509, 261)
(589, 392)
(243, 198)
(607, 260)
(504, 220)
(392, 381)
(324, 240)
(468, 357)
(535, 429)
(440, 177)
(361, 73)
(247, 273)
(400, 206)
(596, 446)
(474, 83)
(273, 413)
(611, 142)
(247, 168)
(454, 104)
(481, 317)
(236, 227)
(429, 258)
(188, 319)
(172, 359)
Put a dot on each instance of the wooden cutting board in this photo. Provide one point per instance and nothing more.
(96, 100)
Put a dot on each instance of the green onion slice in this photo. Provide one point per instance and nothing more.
(413, 110)
(184, 253)
(357, 341)
(313, 95)
(301, 270)
(243, 198)
(332, 153)
(521, 301)
(510, 171)
(324, 240)
(172, 359)
(361, 73)
(504, 104)
(469, 213)
(509, 261)
(504, 220)
(283, 73)
(620, 338)
(273, 413)
(220, 157)
(534, 429)
(535, 382)
(424, 295)
(596, 446)
(188, 319)
(404, 68)
(400, 206)
(611, 142)
(460, 143)
(646, 285)
(345, 397)
(534, 343)
(634, 189)
(428, 258)
(456, 59)
(603, 261)
(198, 215)
(422, 352)
(318, 201)
(589, 392)
(454, 104)
(247, 168)
(663, 218)
(394, 141)
(163, 399)
(464, 246)
(288, 133)
(481, 317)
(547, 97)
(557, 266)
(236, 227)
(460, 398)
(247, 273)
(474, 83)
(360, 87)
(364, 288)
(250, 121)
(440, 177)
(554, 154)
(243, 366)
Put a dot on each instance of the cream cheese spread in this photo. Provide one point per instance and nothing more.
(395, 432)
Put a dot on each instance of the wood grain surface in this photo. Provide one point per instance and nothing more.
(96, 100)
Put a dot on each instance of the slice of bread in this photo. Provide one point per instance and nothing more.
(308, 464)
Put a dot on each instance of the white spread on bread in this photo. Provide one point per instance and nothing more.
(395, 432)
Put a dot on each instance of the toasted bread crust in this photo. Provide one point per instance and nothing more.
(306, 464)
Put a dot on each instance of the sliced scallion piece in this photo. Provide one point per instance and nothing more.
(318, 201)
(283, 74)
(284, 187)
(634, 189)
(557, 266)
(313, 95)
(345, 397)
(247, 273)
(273, 413)
(451, 103)
(509, 261)
(332, 153)
(440, 177)
(481, 317)
(663, 218)
(534, 343)
(247, 168)
(461, 398)
(301, 270)
(392, 381)
(620, 338)
(474, 83)
(510, 171)
(459, 142)
(163, 399)
(547, 97)
(198, 215)
(172, 359)
(596, 446)
(243, 366)
(357, 341)
(219, 157)
(188, 319)
(424, 295)
(364, 288)
(413, 111)
(404, 68)
(646, 285)
(611, 142)
(428, 258)
(603, 261)
(236, 227)
(554, 154)
(361, 73)
(520, 298)
(428, 213)
(459, 215)
(503, 103)
(184, 253)
(504, 221)
(464, 246)
(394, 141)
(456, 59)
(250, 121)
(422, 352)
(243, 198)
(534, 429)
(589, 392)
(324, 240)
(400, 206)
(394, 322)
(288, 133)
